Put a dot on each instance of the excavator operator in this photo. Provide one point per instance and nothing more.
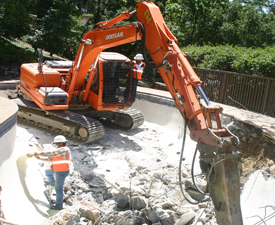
(136, 72)
(60, 167)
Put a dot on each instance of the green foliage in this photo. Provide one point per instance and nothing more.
(229, 25)
(220, 22)
(59, 30)
(11, 53)
(14, 53)
(14, 18)
(251, 61)
(195, 21)
(245, 26)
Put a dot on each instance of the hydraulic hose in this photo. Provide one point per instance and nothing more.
(40, 68)
(180, 166)
(185, 119)
(192, 172)
(144, 48)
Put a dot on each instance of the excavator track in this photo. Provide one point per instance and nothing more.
(131, 117)
(70, 124)
(128, 119)
(76, 125)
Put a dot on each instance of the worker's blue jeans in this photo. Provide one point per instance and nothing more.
(58, 179)
(134, 89)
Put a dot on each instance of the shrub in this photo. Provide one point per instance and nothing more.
(253, 61)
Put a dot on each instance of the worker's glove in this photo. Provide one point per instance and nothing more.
(31, 154)
(38, 157)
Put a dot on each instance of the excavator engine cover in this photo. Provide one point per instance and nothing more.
(58, 64)
(55, 95)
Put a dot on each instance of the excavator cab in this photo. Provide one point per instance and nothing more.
(110, 87)
(112, 76)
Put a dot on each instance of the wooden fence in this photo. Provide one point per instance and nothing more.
(254, 93)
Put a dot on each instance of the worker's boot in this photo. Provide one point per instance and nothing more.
(54, 207)
(47, 183)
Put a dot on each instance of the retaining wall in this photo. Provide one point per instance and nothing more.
(9, 72)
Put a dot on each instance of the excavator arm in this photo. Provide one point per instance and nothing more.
(218, 158)
(180, 78)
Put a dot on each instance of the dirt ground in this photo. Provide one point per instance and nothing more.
(257, 157)
(257, 151)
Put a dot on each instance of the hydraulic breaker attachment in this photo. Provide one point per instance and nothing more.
(221, 168)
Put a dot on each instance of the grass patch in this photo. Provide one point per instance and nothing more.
(15, 53)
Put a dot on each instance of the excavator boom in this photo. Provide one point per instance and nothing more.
(216, 144)
(179, 77)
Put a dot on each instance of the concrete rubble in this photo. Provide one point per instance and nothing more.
(148, 196)
(256, 149)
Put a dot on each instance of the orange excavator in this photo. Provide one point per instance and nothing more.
(94, 85)
(74, 114)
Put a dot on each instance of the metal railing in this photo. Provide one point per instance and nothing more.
(254, 93)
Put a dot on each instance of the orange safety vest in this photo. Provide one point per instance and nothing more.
(137, 70)
(60, 164)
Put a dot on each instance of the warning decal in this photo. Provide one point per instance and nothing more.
(147, 16)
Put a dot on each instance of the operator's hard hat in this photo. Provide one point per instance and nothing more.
(138, 57)
(59, 139)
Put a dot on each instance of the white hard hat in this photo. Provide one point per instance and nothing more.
(138, 57)
(59, 139)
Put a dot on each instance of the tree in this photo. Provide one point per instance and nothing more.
(60, 28)
(248, 25)
(243, 23)
(14, 18)
(195, 21)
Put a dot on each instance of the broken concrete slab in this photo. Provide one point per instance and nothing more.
(258, 198)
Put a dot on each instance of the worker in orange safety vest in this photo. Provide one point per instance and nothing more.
(136, 72)
(60, 167)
